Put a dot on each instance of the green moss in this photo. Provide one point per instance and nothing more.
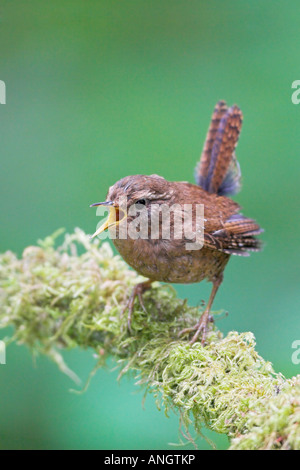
(73, 296)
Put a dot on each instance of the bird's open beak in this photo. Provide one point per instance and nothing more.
(116, 214)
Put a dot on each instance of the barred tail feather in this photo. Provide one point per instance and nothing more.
(202, 168)
(218, 171)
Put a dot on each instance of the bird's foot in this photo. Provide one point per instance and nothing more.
(138, 291)
(201, 328)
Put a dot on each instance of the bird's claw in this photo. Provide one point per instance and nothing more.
(200, 328)
(138, 290)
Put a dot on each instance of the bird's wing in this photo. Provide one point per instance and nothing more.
(236, 237)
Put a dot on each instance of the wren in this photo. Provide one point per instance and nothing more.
(226, 231)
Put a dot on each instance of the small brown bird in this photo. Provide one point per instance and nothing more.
(170, 258)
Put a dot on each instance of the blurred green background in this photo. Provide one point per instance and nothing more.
(97, 90)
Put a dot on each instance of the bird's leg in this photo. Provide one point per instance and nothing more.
(138, 291)
(201, 326)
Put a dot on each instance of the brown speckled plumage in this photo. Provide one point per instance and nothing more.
(226, 230)
(169, 260)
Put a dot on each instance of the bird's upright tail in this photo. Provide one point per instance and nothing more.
(218, 170)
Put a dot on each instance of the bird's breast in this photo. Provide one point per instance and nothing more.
(170, 261)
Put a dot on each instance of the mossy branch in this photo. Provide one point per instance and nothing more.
(73, 296)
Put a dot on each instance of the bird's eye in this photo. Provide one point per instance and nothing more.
(142, 202)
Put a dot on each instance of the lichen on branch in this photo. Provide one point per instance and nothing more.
(73, 296)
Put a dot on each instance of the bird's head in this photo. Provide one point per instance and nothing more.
(140, 191)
